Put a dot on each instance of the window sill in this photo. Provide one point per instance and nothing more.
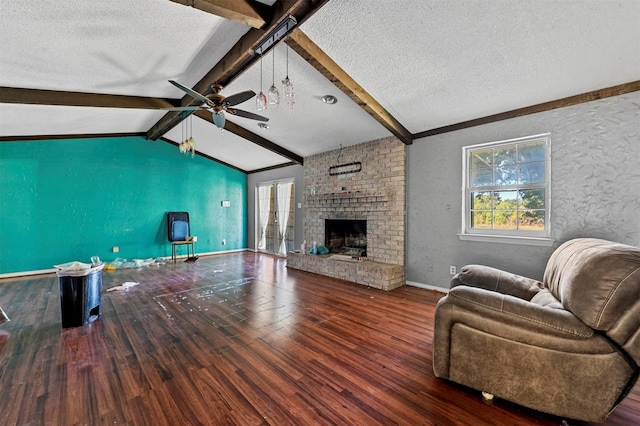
(529, 241)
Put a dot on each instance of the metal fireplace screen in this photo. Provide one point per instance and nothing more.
(346, 236)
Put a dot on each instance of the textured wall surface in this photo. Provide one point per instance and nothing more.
(595, 187)
(596, 170)
(69, 200)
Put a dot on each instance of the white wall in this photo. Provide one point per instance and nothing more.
(595, 187)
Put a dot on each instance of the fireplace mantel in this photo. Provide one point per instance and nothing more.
(357, 197)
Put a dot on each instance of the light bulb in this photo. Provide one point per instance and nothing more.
(287, 91)
(261, 102)
(273, 95)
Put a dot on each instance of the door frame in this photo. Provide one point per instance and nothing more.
(275, 242)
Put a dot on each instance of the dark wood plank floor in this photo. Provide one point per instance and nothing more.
(236, 340)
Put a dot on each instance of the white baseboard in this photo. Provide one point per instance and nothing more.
(165, 258)
(27, 273)
(200, 254)
(427, 286)
(225, 251)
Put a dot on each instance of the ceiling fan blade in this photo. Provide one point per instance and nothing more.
(191, 108)
(191, 92)
(218, 119)
(239, 98)
(246, 114)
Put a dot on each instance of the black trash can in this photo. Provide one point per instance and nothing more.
(80, 296)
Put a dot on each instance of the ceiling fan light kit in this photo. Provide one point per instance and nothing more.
(218, 119)
(219, 104)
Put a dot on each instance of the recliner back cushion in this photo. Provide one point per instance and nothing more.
(597, 280)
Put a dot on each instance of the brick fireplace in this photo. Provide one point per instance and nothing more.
(375, 194)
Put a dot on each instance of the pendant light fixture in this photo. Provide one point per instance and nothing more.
(261, 99)
(287, 85)
(273, 95)
(187, 144)
(264, 45)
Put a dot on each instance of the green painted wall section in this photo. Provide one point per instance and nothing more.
(64, 200)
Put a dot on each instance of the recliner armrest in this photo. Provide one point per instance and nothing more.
(493, 279)
(490, 305)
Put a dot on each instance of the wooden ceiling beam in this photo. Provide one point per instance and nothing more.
(240, 57)
(620, 89)
(241, 11)
(317, 58)
(67, 136)
(12, 95)
(274, 167)
(252, 137)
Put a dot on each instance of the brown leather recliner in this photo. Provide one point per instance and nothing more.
(568, 346)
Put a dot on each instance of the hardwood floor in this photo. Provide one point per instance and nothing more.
(236, 339)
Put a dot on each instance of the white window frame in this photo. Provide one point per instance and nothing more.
(501, 235)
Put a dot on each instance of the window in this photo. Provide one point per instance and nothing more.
(506, 190)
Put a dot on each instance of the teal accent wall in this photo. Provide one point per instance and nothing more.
(64, 200)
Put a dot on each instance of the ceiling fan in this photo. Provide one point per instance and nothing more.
(218, 104)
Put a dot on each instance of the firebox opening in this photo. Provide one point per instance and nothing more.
(346, 236)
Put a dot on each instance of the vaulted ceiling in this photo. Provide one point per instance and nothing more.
(409, 68)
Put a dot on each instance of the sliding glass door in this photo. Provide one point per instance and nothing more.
(275, 217)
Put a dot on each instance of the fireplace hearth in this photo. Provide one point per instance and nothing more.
(345, 236)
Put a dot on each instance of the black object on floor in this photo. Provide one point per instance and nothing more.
(80, 298)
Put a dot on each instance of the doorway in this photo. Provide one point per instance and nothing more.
(275, 217)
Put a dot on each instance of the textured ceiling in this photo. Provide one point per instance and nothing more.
(428, 63)
(435, 63)
(115, 46)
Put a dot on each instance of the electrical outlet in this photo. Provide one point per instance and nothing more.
(452, 270)
(116, 249)
(224, 241)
